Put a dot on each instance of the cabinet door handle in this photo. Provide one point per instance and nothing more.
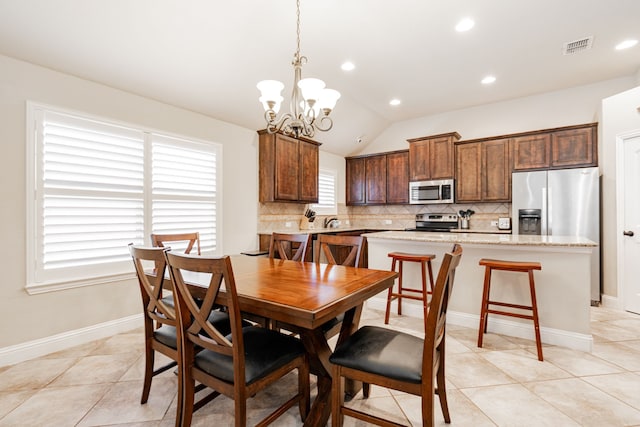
(628, 233)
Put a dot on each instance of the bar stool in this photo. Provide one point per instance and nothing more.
(425, 262)
(516, 266)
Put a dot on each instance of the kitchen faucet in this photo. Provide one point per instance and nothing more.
(329, 220)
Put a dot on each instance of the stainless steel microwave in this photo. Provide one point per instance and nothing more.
(425, 192)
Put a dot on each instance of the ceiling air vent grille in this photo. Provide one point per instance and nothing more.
(577, 46)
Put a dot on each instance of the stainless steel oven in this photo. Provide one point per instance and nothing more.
(426, 192)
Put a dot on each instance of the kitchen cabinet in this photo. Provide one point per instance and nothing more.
(432, 157)
(483, 171)
(377, 179)
(398, 177)
(567, 147)
(574, 147)
(366, 180)
(288, 168)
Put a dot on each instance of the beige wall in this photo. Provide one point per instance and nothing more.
(619, 115)
(43, 315)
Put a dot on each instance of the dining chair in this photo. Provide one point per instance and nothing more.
(282, 245)
(159, 318)
(397, 360)
(348, 251)
(237, 365)
(191, 239)
(160, 323)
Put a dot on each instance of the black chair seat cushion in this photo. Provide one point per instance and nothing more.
(382, 351)
(166, 335)
(265, 351)
(219, 319)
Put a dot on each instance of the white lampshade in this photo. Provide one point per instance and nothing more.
(311, 88)
(328, 99)
(270, 91)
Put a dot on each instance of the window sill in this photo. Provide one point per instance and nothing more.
(41, 288)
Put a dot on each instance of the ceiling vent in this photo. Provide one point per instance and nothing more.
(577, 46)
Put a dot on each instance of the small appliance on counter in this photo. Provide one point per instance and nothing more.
(504, 223)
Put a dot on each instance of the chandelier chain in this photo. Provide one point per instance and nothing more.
(298, 29)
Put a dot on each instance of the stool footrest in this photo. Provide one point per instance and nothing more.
(415, 297)
(506, 313)
(506, 304)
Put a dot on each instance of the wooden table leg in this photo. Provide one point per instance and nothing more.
(319, 352)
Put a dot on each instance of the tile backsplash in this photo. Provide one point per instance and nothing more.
(276, 216)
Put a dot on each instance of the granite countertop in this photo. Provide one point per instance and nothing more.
(488, 239)
(321, 230)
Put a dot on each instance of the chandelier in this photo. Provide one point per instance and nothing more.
(310, 105)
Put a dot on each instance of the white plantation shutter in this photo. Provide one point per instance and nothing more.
(327, 203)
(98, 186)
(184, 190)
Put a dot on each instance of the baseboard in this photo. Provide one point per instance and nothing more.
(611, 302)
(40, 347)
(573, 340)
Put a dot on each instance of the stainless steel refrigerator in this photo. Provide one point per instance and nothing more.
(564, 202)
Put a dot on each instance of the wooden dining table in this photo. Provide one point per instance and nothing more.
(304, 296)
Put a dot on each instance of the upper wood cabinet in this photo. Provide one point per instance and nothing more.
(483, 171)
(378, 179)
(432, 157)
(288, 168)
(355, 181)
(398, 177)
(573, 146)
(468, 172)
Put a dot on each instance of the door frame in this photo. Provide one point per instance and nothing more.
(621, 138)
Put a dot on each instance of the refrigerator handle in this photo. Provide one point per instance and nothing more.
(546, 214)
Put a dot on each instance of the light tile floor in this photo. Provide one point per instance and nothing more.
(501, 384)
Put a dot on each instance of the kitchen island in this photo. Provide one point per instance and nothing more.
(562, 286)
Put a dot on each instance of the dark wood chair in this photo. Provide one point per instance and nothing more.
(160, 323)
(237, 365)
(282, 246)
(396, 360)
(192, 239)
(159, 318)
(342, 250)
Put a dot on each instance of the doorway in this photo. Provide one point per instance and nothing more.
(629, 220)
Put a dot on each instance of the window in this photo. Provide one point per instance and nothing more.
(327, 203)
(98, 186)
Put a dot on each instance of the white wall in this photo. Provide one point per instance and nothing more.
(38, 316)
(567, 107)
(619, 115)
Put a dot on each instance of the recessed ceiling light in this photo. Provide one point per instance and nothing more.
(394, 102)
(626, 44)
(465, 25)
(348, 66)
(488, 80)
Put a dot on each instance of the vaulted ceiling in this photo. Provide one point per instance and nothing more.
(208, 55)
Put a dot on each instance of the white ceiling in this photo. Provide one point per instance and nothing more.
(208, 55)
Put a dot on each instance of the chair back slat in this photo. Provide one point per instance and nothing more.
(192, 239)
(281, 245)
(435, 318)
(329, 245)
(151, 285)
